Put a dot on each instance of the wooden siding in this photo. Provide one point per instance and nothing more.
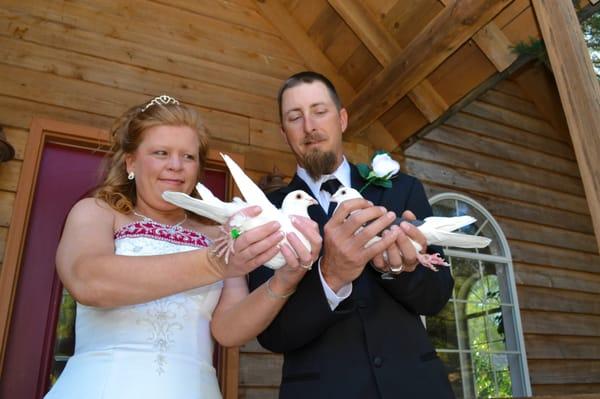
(500, 151)
(86, 62)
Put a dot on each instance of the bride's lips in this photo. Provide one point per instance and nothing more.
(172, 182)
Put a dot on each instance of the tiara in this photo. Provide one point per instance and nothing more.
(160, 100)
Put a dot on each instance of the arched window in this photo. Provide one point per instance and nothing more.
(478, 334)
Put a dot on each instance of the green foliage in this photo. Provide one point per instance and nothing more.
(65, 336)
(591, 33)
(534, 48)
(486, 337)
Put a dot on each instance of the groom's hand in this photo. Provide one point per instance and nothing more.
(344, 253)
(401, 253)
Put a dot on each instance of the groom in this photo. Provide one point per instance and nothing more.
(347, 332)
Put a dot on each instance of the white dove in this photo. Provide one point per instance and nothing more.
(294, 203)
(437, 230)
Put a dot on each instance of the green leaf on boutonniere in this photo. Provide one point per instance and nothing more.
(384, 183)
(364, 170)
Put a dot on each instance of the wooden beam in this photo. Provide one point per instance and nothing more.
(428, 100)
(315, 59)
(579, 92)
(439, 39)
(495, 45)
(298, 39)
(370, 31)
(384, 47)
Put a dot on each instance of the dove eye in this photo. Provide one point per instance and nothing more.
(298, 196)
(343, 192)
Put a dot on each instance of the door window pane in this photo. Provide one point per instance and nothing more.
(64, 345)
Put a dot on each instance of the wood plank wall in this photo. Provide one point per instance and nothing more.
(87, 61)
(500, 151)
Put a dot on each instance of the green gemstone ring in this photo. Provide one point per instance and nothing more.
(235, 233)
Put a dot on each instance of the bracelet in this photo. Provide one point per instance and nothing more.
(273, 295)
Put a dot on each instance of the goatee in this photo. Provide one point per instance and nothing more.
(318, 163)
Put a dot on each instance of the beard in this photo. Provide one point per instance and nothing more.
(318, 163)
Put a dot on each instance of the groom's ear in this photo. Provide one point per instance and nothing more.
(284, 135)
(343, 119)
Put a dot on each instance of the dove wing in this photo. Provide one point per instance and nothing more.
(217, 211)
(251, 192)
(439, 237)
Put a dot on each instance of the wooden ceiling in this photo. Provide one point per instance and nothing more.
(399, 65)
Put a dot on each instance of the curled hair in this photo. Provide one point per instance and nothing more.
(126, 135)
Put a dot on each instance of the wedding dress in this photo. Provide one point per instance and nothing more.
(159, 349)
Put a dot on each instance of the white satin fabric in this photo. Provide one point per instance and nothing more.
(159, 349)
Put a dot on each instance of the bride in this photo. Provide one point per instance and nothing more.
(144, 278)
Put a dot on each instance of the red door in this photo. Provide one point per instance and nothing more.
(66, 174)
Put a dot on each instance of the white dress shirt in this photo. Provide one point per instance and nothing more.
(342, 173)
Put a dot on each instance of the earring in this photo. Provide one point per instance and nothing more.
(131, 176)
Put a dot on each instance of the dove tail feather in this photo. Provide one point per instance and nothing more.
(449, 223)
(459, 240)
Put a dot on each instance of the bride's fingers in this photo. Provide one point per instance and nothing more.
(256, 246)
(290, 256)
(304, 255)
(261, 259)
(310, 230)
(256, 235)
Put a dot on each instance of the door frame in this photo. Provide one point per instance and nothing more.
(44, 131)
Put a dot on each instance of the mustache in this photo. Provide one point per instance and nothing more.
(312, 137)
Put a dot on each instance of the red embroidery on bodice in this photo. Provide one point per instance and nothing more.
(157, 231)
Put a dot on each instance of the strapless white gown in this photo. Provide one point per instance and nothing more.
(161, 349)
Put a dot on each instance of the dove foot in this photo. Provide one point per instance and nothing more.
(431, 261)
(223, 245)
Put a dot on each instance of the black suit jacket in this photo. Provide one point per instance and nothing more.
(373, 345)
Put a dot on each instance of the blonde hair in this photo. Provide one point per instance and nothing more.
(126, 135)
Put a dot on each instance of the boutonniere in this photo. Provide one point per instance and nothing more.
(383, 168)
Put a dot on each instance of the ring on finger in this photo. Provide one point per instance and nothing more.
(397, 270)
(307, 266)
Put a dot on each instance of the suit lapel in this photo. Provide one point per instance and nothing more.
(372, 193)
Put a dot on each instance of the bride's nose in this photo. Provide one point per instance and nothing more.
(175, 162)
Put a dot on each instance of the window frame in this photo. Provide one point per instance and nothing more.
(522, 385)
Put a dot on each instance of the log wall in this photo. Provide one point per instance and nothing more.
(86, 62)
(500, 151)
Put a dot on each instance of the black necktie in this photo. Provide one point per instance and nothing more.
(331, 186)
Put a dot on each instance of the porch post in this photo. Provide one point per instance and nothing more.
(579, 92)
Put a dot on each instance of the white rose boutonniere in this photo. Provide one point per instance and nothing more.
(383, 168)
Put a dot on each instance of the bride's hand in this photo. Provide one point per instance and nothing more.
(251, 249)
